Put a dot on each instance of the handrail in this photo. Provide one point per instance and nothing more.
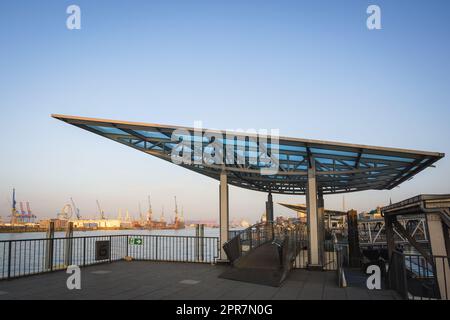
(342, 282)
(109, 236)
(248, 240)
(257, 235)
(23, 257)
(413, 277)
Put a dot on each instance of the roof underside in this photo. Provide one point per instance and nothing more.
(340, 167)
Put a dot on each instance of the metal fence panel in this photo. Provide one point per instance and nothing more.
(20, 258)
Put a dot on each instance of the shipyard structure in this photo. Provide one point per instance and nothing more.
(25, 221)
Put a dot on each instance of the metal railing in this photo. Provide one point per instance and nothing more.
(256, 235)
(330, 255)
(341, 255)
(20, 258)
(301, 242)
(342, 282)
(234, 233)
(259, 234)
(414, 278)
(249, 239)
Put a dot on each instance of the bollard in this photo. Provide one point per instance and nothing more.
(68, 244)
(49, 247)
(353, 239)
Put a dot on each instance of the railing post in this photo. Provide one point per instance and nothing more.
(202, 235)
(68, 244)
(404, 278)
(128, 240)
(9, 258)
(52, 243)
(110, 249)
(258, 235)
(197, 234)
(186, 254)
(84, 251)
(156, 248)
(218, 247)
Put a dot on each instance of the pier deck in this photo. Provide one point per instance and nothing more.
(185, 281)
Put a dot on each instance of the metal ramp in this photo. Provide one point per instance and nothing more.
(263, 254)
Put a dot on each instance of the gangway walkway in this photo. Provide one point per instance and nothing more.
(261, 266)
(264, 253)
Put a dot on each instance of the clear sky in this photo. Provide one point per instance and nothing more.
(309, 68)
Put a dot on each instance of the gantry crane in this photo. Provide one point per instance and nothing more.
(102, 213)
(75, 209)
(149, 212)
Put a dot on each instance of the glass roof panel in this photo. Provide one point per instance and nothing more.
(334, 152)
(295, 158)
(285, 147)
(108, 130)
(384, 157)
(152, 134)
(170, 145)
(240, 142)
(324, 160)
(140, 144)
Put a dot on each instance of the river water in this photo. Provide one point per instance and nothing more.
(209, 232)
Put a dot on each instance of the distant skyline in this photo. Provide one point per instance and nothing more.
(311, 69)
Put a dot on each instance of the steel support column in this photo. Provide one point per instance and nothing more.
(389, 229)
(269, 208)
(438, 248)
(224, 213)
(315, 261)
(321, 225)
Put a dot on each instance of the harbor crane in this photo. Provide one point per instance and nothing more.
(31, 217)
(14, 212)
(29, 210)
(162, 219)
(102, 213)
(75, 209)
(22, 210)
(176, 209)
(22, 216)
(141, 216)
(149, 212)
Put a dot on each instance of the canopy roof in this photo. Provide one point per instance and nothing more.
(420, 204)
(303, 209)
(340, 167)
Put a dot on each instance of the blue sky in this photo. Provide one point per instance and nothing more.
(309, 68)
